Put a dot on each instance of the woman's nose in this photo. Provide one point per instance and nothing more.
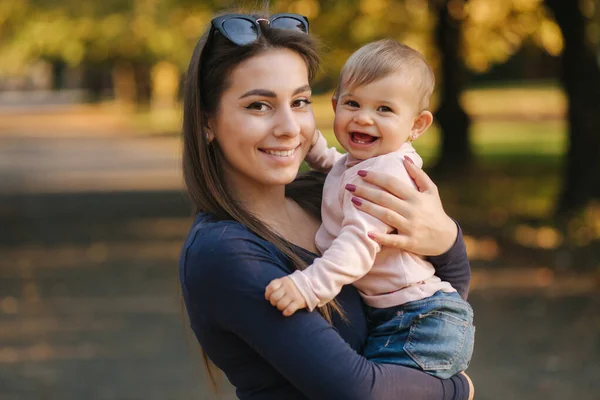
(287, 124)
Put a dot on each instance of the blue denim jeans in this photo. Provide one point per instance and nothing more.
(435, 334)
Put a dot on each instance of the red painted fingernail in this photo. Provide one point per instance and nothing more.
(350, 187)
(362, 173)
(407, 158)
(357, 201)
(371, 235)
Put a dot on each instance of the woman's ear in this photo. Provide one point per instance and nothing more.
(209, 131)
(422, 122)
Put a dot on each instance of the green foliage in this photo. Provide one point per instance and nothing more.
(78, 31)
(90, 31)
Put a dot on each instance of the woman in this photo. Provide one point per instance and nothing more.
(248, 125)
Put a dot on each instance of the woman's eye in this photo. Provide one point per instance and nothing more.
(258, 106)
(301, 103)
(352, 103)
(384, 109)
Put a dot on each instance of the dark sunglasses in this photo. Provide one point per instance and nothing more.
(243, 29)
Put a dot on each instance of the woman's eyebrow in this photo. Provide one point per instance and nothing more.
(301, 89)
(269, 93)
(259, 92)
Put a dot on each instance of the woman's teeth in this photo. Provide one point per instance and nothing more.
(280, 153)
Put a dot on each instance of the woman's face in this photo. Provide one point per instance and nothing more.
(264, 123)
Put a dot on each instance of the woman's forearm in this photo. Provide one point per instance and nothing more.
(453, 266)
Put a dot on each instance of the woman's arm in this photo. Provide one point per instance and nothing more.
(228, 284)
(422, 225)
(453, 266)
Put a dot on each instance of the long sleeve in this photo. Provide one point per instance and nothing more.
(384, 279)
(223, 280)
(321, 157)
(453, 266)
(350, 256)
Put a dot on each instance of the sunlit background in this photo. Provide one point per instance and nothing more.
(92, 211)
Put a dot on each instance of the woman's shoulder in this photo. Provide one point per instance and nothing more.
(217, 248)
(211, 235)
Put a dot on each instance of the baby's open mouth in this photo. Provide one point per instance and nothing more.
(362, 138)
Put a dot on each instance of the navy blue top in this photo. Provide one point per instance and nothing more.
(224, 270)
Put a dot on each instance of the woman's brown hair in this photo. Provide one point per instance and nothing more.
(212, 61)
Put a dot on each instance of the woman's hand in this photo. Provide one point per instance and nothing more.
(471, 387)
(418, 216)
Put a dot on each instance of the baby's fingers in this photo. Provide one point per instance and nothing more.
(272, 288)
(284, 302)
(291, 309)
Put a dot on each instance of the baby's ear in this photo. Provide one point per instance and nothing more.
(422, 122)
(334, 103)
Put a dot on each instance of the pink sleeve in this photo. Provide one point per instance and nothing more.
(321, 157)
(352, 253)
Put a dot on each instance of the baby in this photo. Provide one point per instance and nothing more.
(416, 319)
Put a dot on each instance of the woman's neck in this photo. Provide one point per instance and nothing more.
(283, 215)
(264, 202)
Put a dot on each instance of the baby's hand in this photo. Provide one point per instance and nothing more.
(283, 294)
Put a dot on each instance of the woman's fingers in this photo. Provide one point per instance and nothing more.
(391, 184)
(384, 214)
(421, 179)
(397, 241)
(471, 387)
(380, 197)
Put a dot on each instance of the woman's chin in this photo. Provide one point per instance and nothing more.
(282, 176)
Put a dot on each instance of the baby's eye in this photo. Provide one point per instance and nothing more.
(301, 103)
(258, 106)
(384, 109)
(352, 103)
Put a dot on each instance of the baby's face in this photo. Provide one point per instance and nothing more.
(376, 118)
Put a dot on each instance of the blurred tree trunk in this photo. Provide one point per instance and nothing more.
(124, 89)
(455, 153)
(58, 71)
(92, 81)
(143, 84)
(580, 77)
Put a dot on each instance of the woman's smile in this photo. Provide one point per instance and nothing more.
(281, 155)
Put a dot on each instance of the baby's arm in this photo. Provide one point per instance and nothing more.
(350, 256)
(320, 157)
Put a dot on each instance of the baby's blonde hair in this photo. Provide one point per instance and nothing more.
(379, 59)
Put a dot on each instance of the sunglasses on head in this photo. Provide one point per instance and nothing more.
(243, 29)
